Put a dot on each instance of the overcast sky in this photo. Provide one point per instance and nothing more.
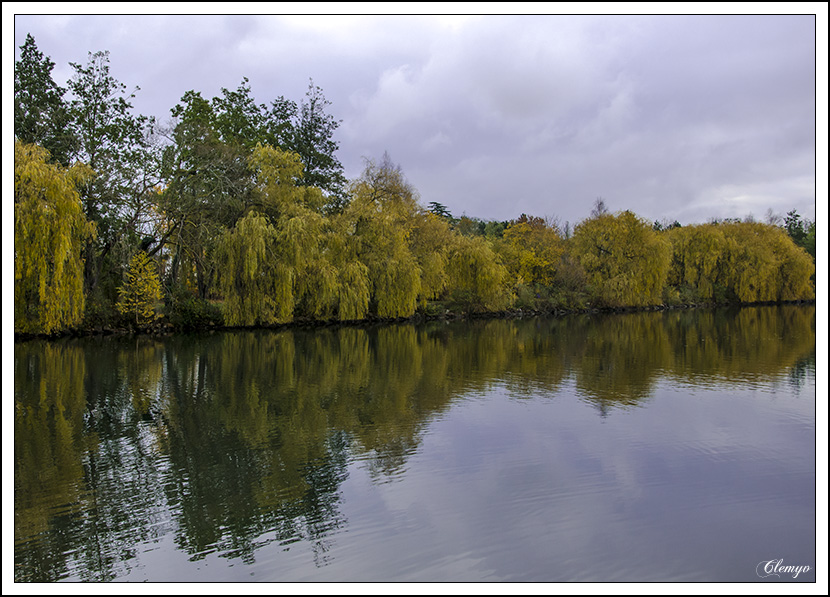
(672, 117)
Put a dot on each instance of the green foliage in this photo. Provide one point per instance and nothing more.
(625, 260)
(247, 204)
(116, 144)
(802, 232)
(41, 115)
(186, 310)
(313, 140)
(271, 259)
(140, 291)
(49, 230)
(257, 289)
(696, 263)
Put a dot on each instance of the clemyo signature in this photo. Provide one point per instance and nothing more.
(777, 568)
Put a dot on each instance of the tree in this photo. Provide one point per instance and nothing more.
(440, 210)
(49, 230)
(41, 116)
(141, 289)
(257, 289)
(476, 278)
(795, 226)
(271, 259)
(803, 232)
(744, 261)
(760, 263)
(117, 145)
(532, 251)
(209, 186)
(313, 140)
(697, 254)
(378, 223)
(625, 260)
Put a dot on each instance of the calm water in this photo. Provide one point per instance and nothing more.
(672, 446)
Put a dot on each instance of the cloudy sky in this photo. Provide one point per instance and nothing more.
(673, 117)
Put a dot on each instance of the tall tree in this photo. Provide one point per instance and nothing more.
(41, 115)
(313, 140)
(271, 257)
(380, 219)
(116, 144)
(626, 261)
(209, 186)
(49, 229)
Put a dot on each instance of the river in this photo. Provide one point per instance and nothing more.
(661, 446)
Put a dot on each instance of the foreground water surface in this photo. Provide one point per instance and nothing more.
(673, 446)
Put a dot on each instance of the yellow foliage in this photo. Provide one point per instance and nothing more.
(49, 230)
(378, 229)
(477, 276)
(532, 252)
(752, 261)
(141, 289)
(625, 260)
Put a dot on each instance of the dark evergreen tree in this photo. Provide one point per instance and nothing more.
(41, 115)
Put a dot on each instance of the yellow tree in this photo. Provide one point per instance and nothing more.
(49, 231)
(697, 258)
(378, 226)
(431, 241)
(477, 277)
(257, 289)
(272, 258)
(761, 263)
(141, 290)
(532, 250)
(625, 260)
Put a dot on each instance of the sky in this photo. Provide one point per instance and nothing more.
(674, 117)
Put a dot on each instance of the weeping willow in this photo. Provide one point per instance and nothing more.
(751, 261)
(49, 230)
(697, 252)
(625, 260)
(478, 280)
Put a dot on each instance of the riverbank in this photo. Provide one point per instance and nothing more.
(436, 312)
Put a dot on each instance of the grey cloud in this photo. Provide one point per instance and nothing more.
(686, 117)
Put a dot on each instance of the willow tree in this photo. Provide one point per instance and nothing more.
(761, 263)
(255, 288)
(477, 278)
(625, 260)
(49, 232)
(431, 241)
(272, 257)
(697, 259)
(532, 250)
(378, 224)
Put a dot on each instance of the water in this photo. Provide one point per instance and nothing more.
(674, 446)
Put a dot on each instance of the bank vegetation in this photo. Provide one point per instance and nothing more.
(238, 214)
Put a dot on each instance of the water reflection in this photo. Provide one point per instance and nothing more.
(229, 442)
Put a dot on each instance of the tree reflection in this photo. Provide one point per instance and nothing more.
(236, 440)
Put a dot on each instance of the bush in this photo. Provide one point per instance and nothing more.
(187, 311)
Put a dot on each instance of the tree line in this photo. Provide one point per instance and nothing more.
(239, 213)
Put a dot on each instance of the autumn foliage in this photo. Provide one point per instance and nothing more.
(244, 205)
